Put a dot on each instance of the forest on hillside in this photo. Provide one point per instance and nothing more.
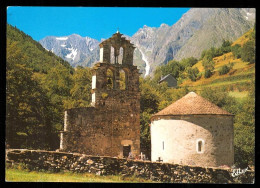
(40, 86)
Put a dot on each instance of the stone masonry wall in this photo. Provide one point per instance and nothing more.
(180, 135)
(102, 165)
(114, 120)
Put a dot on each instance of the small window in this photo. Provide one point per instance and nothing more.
(163, 145)
(200, 146)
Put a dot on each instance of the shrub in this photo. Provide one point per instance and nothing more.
(193, 73)
(224, 70)
(208, 73)
(226, 47)
(248, 52)
(208, 67)
(188, 62)
(236, 50)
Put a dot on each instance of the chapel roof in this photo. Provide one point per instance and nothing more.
(192, 104)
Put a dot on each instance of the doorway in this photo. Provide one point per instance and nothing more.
(126, 151)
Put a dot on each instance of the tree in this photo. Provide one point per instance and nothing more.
(150, 99)
(225, 47)
(225, 68)
(149, 96)
(80, 92)
(236, 50)
(188, 62)
(248, 52)
(145, 137)
(171, 95)
(29, 112)
(208, 67)
(173, 67)
(220, 98)
(34, 111)
(193, 73)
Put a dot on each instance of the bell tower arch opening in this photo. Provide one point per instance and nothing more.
(122, 79)
(110, 79)
(112, 56)
(121, 56)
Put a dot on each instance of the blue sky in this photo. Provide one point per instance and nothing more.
(94, 22)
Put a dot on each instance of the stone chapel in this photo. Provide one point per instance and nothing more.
(111, 126)
(193, 131)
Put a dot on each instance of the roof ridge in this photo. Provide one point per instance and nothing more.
(192, 104)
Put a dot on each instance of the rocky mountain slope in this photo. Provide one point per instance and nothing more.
(221, 24)
(198, 29)
(73, 48)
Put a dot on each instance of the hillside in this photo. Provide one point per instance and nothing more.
(38, 83)
(222, 23)
(39, 59)
(236, 80)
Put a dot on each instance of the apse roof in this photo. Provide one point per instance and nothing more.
(192, 104)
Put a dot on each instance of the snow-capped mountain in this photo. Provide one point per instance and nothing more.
(73, 48)
(197, 30)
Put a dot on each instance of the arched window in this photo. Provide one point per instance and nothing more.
(163, 145)
(110, 79)
(112, 55)
(122, 81)
(120, 57)
(200, 146)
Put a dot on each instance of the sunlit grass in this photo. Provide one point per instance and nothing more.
(238, 94)
(243, 39)
(240, 73)
(15, 175)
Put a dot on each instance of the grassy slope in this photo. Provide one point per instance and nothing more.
(241, 74)
(38, 58)
(15, 175)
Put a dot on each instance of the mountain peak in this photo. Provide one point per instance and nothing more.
(75, 35)
(197, 30)
(72, 48)
(164, 25)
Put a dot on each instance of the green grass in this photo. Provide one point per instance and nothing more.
(238, 95)
(17, 175)
(236, 78)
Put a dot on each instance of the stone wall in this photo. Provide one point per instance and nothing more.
(102, 165)
(175, 139)
(114, 120)
(112, 125)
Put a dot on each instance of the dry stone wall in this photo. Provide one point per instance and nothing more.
(102, 165)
